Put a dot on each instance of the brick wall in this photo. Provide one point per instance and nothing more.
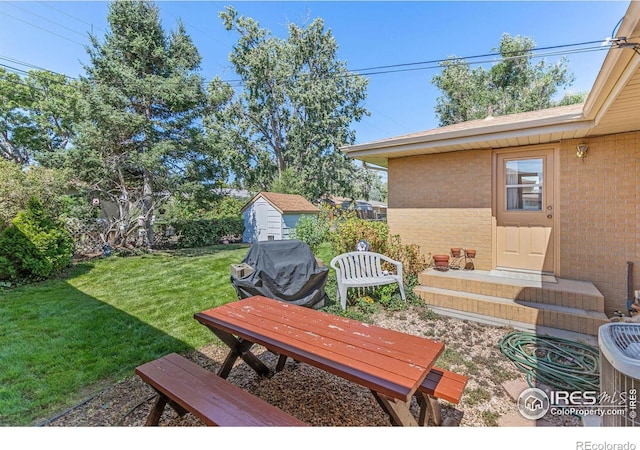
(600, 213)
(443, 201)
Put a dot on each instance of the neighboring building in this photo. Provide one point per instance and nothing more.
(235, 193)
(366, 209)
(271, 216)
(551, 195)
(379, 209)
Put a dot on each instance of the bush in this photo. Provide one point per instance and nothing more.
(352, 230)
(35, 245)
(17, 186)
(348, 232)
(413, 262)
(312, 230)
(200, 233)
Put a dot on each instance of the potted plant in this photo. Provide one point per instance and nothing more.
(470, 253)
(441, 262)
(455, 252)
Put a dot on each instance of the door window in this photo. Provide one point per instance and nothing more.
(524, 184)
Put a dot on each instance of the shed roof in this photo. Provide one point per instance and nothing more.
(286, 203)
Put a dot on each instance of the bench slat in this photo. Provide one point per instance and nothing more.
(444, 384)
(212, 399)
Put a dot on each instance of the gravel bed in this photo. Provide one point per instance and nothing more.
(322, 399)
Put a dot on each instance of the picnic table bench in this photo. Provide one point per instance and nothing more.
(364, 269)
(439, 384)
(188, 387)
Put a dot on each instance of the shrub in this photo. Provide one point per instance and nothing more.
(17, 186)
(413, 262)
(35, 245)
(352, 230)
(348, 232)
(200, 233)
(312, 230)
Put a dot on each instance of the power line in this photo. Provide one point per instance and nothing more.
(463, 60)
(43, 29)
(44, 18)
(73, 17)
(15, 70)
(407, 67)
(32, 66)
(477, 56)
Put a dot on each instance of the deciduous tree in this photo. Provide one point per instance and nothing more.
(37, 113)
(515, 84)
(293, 112)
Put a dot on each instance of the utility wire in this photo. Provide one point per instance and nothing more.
(553, 47)
(32, 66)
(406, 67)
(464, 61)
(43, 29)
(14, 69)
(44, 18)
(73, 17)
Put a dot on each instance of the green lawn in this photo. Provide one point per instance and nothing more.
(63, 340)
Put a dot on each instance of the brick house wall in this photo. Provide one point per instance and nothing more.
(600, 213)
(445, 200)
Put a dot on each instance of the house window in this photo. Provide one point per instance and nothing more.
(524, 184)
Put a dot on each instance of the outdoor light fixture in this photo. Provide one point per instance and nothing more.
(581, 151)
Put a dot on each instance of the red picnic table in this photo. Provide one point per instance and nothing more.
(391, 364)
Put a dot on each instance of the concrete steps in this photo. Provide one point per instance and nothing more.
(570, 305)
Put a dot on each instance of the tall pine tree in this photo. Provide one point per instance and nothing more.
(143, 100)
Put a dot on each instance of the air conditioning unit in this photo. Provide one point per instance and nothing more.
(619, 344)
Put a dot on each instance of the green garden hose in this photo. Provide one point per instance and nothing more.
(557, 362)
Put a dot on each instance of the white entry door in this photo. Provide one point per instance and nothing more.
(525, 211)
(262, 221)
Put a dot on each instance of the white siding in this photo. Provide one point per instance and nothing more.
(289, 222)
(261, 220)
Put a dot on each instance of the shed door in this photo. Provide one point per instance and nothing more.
(525, 211)
(262, 221)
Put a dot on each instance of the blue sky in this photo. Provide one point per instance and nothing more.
(52, 35)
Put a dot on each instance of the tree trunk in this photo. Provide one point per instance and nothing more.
(147, 202)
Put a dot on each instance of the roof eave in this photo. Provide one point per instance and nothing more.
(618, 66)
(476, 136)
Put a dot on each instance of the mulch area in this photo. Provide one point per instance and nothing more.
(325, 400)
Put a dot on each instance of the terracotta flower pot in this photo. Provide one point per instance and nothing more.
(470, 253)
(455, 252)
(441, 261)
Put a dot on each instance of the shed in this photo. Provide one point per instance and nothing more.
(271, 216)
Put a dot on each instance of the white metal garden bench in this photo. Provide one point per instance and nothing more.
(364, 269)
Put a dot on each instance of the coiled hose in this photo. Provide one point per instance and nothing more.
(557, 362)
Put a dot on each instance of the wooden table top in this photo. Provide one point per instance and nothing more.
(386, 361)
